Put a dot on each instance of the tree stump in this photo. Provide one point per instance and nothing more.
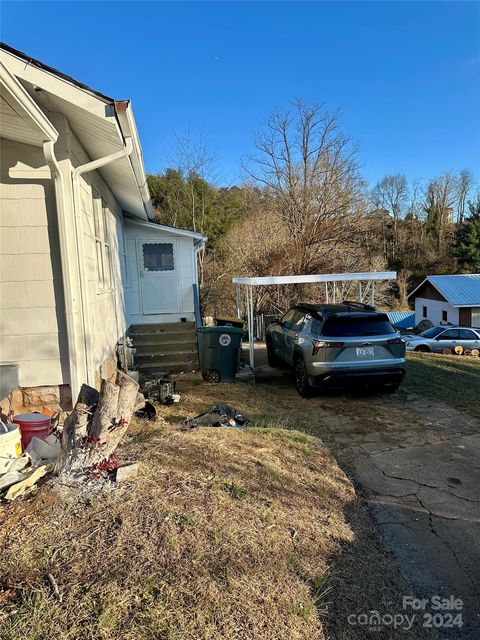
(76, 426)
(98, 422)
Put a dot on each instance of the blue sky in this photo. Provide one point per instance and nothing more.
(405, 75)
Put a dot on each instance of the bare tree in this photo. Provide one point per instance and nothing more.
(439, 205)
(463, 186)
(308, 167)
(193, 158)
(391, 195)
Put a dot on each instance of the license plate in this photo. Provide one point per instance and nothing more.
(365, 352)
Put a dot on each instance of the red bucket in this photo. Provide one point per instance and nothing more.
(33, 425)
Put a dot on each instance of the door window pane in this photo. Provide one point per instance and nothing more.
(466, 334)
(451, 334)
(158, 256)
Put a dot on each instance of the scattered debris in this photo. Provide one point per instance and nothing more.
(47, 449)
(12, 477)
(127, 472)
(148, 412)
(161, 390)
(54, 585)
(220, 415)
(20, 488)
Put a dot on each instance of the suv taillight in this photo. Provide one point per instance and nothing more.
(321, 344)
(395, 341)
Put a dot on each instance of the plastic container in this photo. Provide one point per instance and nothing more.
(219, 352)
(33, 425)
(10, 445)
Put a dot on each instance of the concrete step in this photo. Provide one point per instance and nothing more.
(172, 367)
(145, 348)
(186, 355)
(165, 327)
(176, 337)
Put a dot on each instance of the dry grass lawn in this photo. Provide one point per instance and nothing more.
(451, 379)
(225, 534)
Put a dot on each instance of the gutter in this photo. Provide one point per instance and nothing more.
(128, 128)
(84, 291)
(62, 208)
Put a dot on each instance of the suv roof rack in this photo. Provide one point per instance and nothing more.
(361, 305)
(331, 309)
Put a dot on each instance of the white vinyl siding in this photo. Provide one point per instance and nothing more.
(103, 247)
(32, 330)
(184, 263)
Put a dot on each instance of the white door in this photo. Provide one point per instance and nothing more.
(159, 275)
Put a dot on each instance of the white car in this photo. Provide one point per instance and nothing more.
(436, 339)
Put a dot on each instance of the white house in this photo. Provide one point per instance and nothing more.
(453, 299)
(81, 259)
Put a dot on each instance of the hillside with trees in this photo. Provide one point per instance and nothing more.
(305, 208)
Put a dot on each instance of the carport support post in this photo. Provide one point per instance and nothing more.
(373, 293)
(251, 345)
(239, 300)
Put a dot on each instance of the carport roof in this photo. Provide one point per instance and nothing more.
(460, 290)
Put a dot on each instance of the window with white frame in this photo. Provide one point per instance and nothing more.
(476, 317)
(102, 242)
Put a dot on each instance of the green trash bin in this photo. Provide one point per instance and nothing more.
(219, 352)
(229, 321)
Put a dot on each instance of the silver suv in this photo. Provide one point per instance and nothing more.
(334, 344)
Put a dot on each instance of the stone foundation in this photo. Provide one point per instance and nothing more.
(30, 399)
(55, 397)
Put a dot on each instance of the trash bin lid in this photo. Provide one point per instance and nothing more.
(229, 319)
(220, 330)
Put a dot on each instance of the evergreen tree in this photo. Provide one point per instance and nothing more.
(466, 246)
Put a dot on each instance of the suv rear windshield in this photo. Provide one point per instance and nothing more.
(357, 326)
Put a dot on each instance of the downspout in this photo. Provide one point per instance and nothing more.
(49, 152)
(76, 173)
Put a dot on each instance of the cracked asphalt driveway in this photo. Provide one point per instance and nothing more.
(422, 482)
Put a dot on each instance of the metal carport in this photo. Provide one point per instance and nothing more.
(262, 281)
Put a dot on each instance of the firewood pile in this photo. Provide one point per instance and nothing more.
(460, 351)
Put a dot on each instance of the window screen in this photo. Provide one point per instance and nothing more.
(444, 316)
(158, 256)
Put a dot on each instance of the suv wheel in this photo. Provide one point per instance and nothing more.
(273, 360)
(301, 378)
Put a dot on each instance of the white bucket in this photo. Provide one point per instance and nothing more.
(10, 445)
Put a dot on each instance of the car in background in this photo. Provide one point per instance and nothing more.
(438, 338)
(337, 344)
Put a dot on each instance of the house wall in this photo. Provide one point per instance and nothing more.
(32, 320)
(434, 310)
(185, 260)
(105, 321)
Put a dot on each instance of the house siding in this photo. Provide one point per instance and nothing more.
(105, 322)
(32, 325)
(435, 309)
(186, 275)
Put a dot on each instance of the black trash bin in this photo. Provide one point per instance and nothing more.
(219, 352)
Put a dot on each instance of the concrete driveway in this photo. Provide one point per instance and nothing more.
(417, 462)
